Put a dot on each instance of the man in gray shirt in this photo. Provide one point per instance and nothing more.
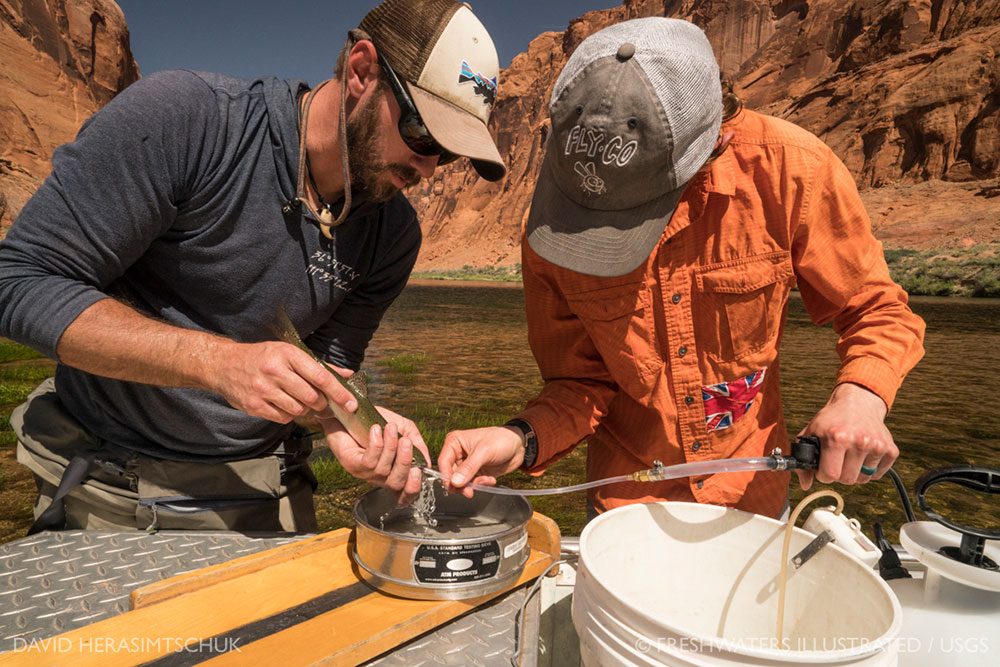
(194, 207)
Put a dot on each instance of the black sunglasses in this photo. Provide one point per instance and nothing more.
(411, 127)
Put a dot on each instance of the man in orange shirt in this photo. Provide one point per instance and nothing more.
(658, 258)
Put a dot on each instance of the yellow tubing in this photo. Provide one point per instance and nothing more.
(784, 550)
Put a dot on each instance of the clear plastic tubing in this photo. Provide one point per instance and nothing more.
(651, 475)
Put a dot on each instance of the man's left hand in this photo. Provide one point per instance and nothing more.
(852, 433)
(386, 459)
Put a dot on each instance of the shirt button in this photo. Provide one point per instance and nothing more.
(689, 399)
(701, 484)
(676, 298)
(695, 446)
(682, 350)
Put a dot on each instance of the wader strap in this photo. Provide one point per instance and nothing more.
(294, 453)
(54, 516)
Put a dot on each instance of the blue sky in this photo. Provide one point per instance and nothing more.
(301, 38)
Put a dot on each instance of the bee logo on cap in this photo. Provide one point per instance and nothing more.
(592, 183)
(485, 87)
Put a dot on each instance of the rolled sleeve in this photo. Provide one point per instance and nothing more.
(578, 386)
(844, 280)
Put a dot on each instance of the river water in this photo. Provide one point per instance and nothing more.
(475, 361)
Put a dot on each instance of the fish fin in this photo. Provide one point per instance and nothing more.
(359, 381)
(285, 331)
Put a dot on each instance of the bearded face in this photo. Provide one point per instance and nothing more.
(370, 174)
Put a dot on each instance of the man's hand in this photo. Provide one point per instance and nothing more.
(386, 458)
(276, 381)
(273, 380)
(852, 433)
(480, 455)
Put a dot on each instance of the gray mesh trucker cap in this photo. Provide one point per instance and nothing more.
(635, 114)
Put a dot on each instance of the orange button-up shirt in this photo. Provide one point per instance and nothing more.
(628, 362)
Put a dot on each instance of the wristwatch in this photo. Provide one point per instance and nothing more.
(530, 441)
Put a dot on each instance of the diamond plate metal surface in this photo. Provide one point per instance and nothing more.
(482, 638)
(54, 582)
(57, 581)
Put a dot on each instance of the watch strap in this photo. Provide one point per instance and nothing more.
(530, 441)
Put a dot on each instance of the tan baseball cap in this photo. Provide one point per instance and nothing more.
(449, 66)
(635, 114)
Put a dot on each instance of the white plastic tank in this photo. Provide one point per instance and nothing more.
(690, 584)
(951, 614)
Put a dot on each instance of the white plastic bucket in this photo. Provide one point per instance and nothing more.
(690, 584)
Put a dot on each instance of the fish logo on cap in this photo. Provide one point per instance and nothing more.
(485, 87)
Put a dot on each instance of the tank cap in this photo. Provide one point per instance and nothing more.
(626, 51)
(977, 478)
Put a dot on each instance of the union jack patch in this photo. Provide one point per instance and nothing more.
(726, 402)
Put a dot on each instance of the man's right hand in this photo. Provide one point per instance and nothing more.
(276, 381)
(273, 380)
(480, 455)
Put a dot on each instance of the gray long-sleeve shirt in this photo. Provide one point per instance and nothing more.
(170, 199)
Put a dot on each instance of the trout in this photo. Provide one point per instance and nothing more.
(358, 423)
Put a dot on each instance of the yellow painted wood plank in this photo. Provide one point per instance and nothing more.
(213, 574)
(363, 629)
(197, 606)
(543, 533)
(155, 630)
(402, 632)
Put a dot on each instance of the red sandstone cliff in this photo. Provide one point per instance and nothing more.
(906, 91)
(61, 61)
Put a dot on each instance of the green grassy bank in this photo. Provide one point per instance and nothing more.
(973, 271)
(21, 369)
(503, 274)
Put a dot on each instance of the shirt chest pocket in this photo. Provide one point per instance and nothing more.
(619, 322)
(739, 306)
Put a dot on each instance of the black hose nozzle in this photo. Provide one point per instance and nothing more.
(805, 454)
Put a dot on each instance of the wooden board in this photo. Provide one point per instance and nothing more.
(302, 603)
